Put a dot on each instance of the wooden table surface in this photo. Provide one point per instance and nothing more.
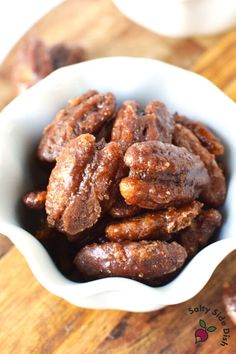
(35, 321)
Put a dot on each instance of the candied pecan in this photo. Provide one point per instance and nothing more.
(157, 225)
(153, 159)
(155, 195)
(122, 210)
(229, 300)
(82, 184)
(35, 200)
(128, 126)
(84, 114)
(132, 124)
(67, 175)
(62, 55)
(138, 260)
(206, 137)
(199, 232)
(162, 120)
(35, 61)
(215, 191)
(162, 175)
(33, 64)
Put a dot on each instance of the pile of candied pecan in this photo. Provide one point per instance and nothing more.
(139, 186)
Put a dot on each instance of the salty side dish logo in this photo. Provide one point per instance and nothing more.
(205, 327)
(201, 334)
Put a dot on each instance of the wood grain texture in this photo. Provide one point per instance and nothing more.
(35, 321)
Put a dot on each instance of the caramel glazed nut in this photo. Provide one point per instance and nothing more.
(162, 175)
(81, 186)
(84, 114)
(134, 124)
(158, 225)
(137, 260)
(35, 61)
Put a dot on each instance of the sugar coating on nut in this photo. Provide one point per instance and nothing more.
(161, 121)
(215, 191)
(162, 175)
(199, 232)
(158, 225)
(84, 114)
(82, 183)
(133, 124)
(206, 137)
(139, 260)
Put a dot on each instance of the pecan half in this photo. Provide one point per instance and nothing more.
(199, 232)
(133, 124)
(162, 122)
(84, 114)
(33, 64)
(35, 61)
(215, 191)
(206, 137)
(162, 175)
(82, 184)
(138, 260)
(158, 225)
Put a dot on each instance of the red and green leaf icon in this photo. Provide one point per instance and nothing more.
(201, 334)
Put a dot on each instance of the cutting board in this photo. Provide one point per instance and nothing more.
(35, 321)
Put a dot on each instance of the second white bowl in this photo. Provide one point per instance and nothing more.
(181, 18)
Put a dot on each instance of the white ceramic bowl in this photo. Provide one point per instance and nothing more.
(21, 124)
(181, 18)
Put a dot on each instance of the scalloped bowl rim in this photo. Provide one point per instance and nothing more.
(111, 293)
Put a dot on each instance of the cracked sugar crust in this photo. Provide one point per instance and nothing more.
(214, 192)
(81, 186)
(137, 260)
(84, 114)
(158, 225)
